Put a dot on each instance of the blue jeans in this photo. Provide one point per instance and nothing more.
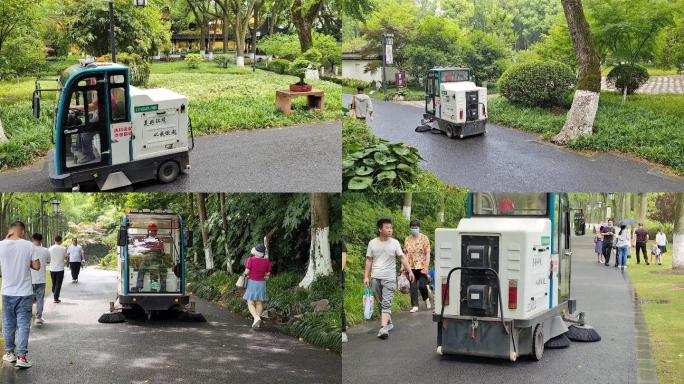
(39, 291)
(16, 320)
(622, 255)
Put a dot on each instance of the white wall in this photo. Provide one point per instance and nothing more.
(354, 69)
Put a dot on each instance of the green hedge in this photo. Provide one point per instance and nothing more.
(629, 76)
(278, 66)
(540, 84)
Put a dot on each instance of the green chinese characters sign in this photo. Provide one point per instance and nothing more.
(146, 108)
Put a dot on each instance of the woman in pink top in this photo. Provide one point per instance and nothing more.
(257, 269)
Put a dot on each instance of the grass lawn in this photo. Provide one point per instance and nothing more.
(221, 100)
(665, 321)
(646, 126)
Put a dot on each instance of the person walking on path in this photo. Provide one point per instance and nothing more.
(58, 258)
(417, 250)
(623, 243)
(17, 259)
(343, 252)
(380, 272)
(655, 251)
(76, 259)
(640, 240)
(258, 270)
(661, 242)
(362, 105)
(38, 277)
(608, 233)
(598, 248)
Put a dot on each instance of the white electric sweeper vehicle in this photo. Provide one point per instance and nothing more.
(454, 104)
(503, 278)
(111, 133)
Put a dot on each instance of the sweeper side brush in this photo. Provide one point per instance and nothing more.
(560, 341)
(583, 333)
(580, 331)
(112, 317)
(191, 317)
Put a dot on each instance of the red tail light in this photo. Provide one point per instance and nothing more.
(512, 294)
(445, 293)
(460, 114)
(484, 111)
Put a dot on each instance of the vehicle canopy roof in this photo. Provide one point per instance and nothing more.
(67, 73)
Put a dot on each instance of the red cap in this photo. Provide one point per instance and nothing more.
(152, 227)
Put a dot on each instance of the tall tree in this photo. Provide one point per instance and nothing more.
(320, 263)
(580, 118)
(243, 11)
(3, 138)
(643, 206)
(678, 236)
(406, 208)
(202, 206)
(224, 225)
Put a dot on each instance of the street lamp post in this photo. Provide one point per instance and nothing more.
(387, 41)
(112, 41)
(255, 37)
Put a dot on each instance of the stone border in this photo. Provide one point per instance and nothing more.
(646, 368)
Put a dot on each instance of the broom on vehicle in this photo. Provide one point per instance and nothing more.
(580, 331)
(113, 316)
(560, 341)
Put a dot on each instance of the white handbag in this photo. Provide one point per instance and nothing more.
(241, 282)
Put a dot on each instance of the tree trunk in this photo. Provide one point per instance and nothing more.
(406, 208)
(241, 24)
(224, 30)
(643, 207)
(3, 138)
(580, 119)
(202, 204)
(303, 20)
(224, 223)
(320, 263)
(442, 207)
(678, 236)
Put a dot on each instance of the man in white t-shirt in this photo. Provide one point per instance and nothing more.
(58, 258)
(76, 258)
(381, 267)
(17, 258)
(38, 277)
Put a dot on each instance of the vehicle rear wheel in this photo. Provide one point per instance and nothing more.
(168, 171)
(537, 343)
(450, 131)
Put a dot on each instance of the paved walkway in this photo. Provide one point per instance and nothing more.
(73, 348)
(409, 356)
(656, 85)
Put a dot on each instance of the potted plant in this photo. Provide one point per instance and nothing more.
(298, 68)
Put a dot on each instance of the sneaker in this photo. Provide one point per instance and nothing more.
(39, 320)
(73, 281)
(389, 326)
(414, 310)
(257, 322)
(344, 337)
(383, 334)
(624, 267)
(23, 362)
(58, 301)
(10, 357)
(428, 304)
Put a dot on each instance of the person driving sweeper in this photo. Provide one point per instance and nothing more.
(152, 249)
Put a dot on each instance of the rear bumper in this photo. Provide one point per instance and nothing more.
(469, 128)
(154, 302)
(135, 171)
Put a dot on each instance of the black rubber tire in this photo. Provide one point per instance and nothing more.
(168, 171)
(537, 343)
(450, 131)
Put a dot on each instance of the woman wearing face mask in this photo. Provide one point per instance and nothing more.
(417, 250)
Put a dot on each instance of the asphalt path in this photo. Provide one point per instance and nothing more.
(409, 355)
(72, 347)
(303, 158)
(511, 160)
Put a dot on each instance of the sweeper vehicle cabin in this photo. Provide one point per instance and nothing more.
(151, 264)
(111, 133)
(453, 103)
(503, 276)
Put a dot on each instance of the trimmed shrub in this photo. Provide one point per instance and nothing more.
(298, 68)
(193, 60)
(139, 67)
(222, 60)
(279, 66)
(630, 76)
(540, 84)
(313, 55)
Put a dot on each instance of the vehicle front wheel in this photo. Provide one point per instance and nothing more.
(168, 171)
